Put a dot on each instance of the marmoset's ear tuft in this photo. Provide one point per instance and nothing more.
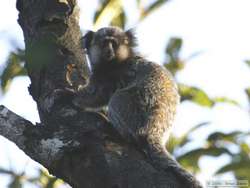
(131, 37)
(86, 39)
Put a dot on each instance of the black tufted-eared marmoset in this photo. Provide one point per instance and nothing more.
(141, 96)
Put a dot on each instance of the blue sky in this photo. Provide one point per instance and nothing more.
(218, 28)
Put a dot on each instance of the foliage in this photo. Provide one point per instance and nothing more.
(14, 67)
(248, 93)
(145, 11)
(175, 64)
(247, 90)
(111, 11)
(42, 180)
(217, 143)
(198, 96)
(248, 62)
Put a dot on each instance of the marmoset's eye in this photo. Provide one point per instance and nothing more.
(114, 44)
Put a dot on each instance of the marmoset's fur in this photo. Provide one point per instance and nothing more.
(141, 96)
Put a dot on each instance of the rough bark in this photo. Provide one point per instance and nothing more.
(79, 147)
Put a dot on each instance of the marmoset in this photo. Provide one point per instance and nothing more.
(141, 96)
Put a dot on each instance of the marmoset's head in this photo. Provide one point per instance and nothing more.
(109, 45)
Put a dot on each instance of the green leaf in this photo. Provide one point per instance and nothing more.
(174, 47)
(172, 144)
(138, 2)
(119, 20)
(33, 180)
(245, 148)
(199, 97)
(152, 7)
(16, 182)
(51, 182)
(178, 142)
(190, 159)
(211, 151)
(14, 67)
(185, 138)
(108, 10)
(241, 166)
(240, 162)
(247, 62)
(174, 66)
(248, 94)
(173, 61)
(101, 7)
(220, 136)
(195, 95)
(225, 100)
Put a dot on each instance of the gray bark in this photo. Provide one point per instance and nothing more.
(79, 147)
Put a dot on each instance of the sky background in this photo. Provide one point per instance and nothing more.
(217, 28)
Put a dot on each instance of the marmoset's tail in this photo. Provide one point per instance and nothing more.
(161, 159)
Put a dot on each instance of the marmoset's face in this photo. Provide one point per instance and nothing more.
(109, 45)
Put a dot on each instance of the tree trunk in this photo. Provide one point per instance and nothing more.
(79, 147)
